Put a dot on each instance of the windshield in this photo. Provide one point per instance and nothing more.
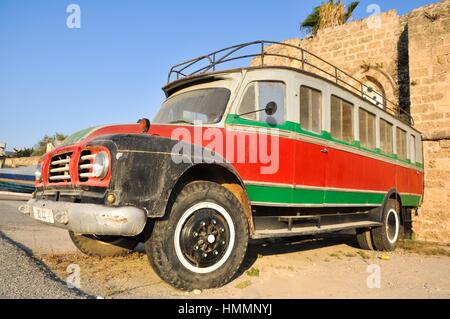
(204, 105)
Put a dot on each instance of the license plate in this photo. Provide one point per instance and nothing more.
(43, 214)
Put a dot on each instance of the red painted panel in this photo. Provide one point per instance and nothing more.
(300, 162)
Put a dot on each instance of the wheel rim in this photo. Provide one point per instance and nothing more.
(392, 226)
(204, 237)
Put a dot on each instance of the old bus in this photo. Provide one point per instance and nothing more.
(254, 152)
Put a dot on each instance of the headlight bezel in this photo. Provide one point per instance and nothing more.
(100, 165)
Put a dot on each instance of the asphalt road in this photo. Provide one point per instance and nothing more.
(35, 236)
(22, 275)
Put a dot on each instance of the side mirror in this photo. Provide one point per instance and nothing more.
(271, 108)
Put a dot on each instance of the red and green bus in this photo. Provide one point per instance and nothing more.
(245, 153)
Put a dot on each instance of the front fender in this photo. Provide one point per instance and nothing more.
(145, 168)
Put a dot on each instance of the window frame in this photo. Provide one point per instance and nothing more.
(392, 136)
(310, 107)
(352, 121)
(257, 104)
(374, 128)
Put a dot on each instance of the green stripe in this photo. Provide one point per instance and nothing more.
(288, 195)
(233, 119)
(410, 200)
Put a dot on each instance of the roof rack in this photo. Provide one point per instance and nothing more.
(260, 52)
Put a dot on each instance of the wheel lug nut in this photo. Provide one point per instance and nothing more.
(205, 255)
(195, 234)
(214, 222)
(216, 253)
(223, 242)
(203, 224)
(222, 230)
(196, 247)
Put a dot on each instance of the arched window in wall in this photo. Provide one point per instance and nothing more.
(370, 90)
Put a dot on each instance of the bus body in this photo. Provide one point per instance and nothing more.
(255, 152)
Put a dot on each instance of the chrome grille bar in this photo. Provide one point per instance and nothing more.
(59, 170)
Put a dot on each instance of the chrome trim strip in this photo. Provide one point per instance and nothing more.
(310, 205)
(257, 183)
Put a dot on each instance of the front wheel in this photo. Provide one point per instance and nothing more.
(203, 241)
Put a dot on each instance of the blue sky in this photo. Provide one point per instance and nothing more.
(111, 70)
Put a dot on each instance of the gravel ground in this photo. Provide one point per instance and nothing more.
(23, 276)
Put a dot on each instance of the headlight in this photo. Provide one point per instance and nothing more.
(38, 173)
(100, 165)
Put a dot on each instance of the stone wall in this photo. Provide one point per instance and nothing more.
(365, 49)
(21, 161)
(429, 65)
(408, 59)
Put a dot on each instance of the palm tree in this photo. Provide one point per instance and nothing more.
(328, 14)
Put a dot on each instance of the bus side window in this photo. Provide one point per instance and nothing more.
(401, 144)
(412, 147)
(386, 137)
(341, 119)
(367, 136)
(310, 109)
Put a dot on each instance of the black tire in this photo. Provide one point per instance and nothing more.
(385, 237)
(104, 246)
(364, 239)
(203, 240)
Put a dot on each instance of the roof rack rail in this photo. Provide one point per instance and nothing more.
(304, 59)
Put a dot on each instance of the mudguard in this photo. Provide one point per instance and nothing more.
(145, 168)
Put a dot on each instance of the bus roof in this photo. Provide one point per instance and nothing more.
(206, 68)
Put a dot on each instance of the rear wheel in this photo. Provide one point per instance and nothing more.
(385, 238)
(104, 246)
(202, 242)
(364, 239)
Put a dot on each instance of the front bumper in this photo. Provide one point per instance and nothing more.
(88, 219)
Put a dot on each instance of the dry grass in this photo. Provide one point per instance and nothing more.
(364, 255)
(243, 284)
(108, 276)
(425, 248)
(253, 272)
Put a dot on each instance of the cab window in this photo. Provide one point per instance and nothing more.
(206, 106)
(257, 96)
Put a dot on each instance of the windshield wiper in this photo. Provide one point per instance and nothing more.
(181, 121)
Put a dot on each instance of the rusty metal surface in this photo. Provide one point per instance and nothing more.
(144, 173)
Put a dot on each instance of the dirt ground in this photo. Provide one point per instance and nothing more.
(328, 267)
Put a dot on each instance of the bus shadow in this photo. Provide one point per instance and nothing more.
(269, 247)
